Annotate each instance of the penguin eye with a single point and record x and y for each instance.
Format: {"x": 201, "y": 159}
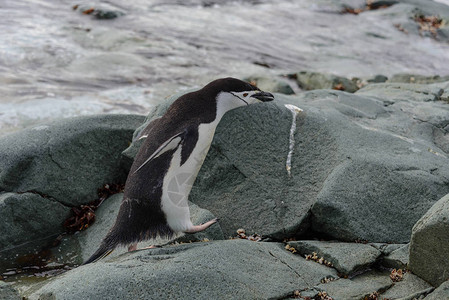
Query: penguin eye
{"x": 245, "y": 94}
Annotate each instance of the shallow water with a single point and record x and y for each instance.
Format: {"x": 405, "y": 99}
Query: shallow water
{"x": 57, "y": 62}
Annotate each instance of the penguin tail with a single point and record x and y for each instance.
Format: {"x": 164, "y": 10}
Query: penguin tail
{"x": 106, "y": 248}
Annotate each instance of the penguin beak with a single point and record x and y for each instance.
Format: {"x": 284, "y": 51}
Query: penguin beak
{"x": 263, "y": 96}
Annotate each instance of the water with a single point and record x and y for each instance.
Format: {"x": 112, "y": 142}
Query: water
{"x": 57, "y": 62}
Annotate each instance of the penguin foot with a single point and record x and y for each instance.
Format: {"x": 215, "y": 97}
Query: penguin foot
{"x": 151, "y": 247}
{"x": 201, "y": 227}
{"x": 133, "y": 247}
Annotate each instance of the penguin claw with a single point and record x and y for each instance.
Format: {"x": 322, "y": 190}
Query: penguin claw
{"x": 215, "y": 220}
{"x": 150, "y": 247}
{"x": 201, "y": 227}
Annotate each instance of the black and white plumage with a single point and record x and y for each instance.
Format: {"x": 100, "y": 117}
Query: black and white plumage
{"x": 166, "y": 166}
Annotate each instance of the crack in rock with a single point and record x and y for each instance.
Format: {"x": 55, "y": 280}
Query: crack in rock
{"x": 277, "y": 258}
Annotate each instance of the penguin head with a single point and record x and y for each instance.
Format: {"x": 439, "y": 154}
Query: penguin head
{"x": 232, "y": 93}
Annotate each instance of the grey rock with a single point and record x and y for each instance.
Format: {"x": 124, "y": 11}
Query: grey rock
{"x": 26, "y": 217}
{"x": 410, "y": 286}
{"x": 358, "y": 287}
{"x": 28, "y": 222}
{"x": 221, "y": 269}
{"x": 314, "y": 81}
{"x": 308, "y": 293}
{"x": 7, "y": 292}
{"x": 406, "y": 127}
{"x": 271, "y": 84}
{"x": 397, "y": 259}
{"x": 430, "y": 244}
{"x": 425, "y": 120}
{"x": 386, "y": 249}
{"x": 377, "y": 79}
{"x": 442, "y": 292}
{"x": 418, "y": 79}
{"x": 362, "y": 219}
{"x": 346, "y": 258}
{"x": 417, "y": 9}
{"x": 395, "y": 92}
{"x": 418, "y": 295}
{"x": 69, "y": 159}
{"x": 445, "y": 87}
{"x": 99, "y": 10}
{"x": 77, "y": 248}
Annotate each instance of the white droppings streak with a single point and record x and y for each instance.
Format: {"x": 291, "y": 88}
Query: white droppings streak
{"x": 295, "y": 111}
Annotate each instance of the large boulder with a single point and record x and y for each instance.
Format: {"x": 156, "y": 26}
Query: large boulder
{"x": 67, "y": 160}
{"x": 28, "y": 222}
{"x": 244, "y": 179}
{"x": 221, "y": 269}
{"x": 409, "y": 287}
{"x": 46, "y": 169}
{"x": 315, "y": 81}
{"x": 26, "y": 216}
{"x": 360, "y": 287}
{"x": 442, "y": 292}
{"x": 429, "y": 244}
{"x": 389, "y": 143}
{"x": 346, "y": 258}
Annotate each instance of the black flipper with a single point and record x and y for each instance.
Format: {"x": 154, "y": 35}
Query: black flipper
{"x": 170, "y": 144}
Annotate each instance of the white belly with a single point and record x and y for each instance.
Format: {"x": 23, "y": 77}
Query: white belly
{"x": 179, "y": 180}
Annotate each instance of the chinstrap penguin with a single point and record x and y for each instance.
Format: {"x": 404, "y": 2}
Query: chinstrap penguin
{"x": 166, "y": 166}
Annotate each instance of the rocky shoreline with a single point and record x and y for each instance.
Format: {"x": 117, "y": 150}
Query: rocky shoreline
{"x": 363, "y": 213}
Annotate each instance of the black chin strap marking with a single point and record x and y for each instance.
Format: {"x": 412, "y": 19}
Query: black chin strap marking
{"x": 240, "y": 98}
